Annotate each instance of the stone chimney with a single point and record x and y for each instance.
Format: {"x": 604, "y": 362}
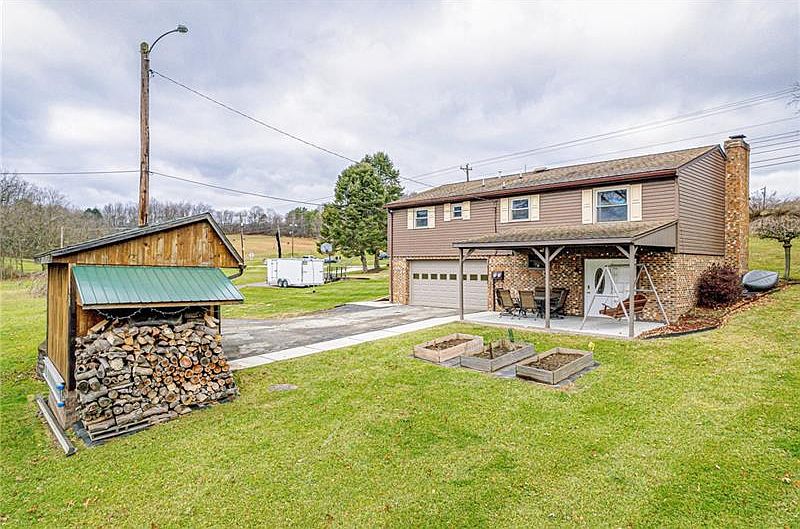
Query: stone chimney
{"x": 737, "y": 203}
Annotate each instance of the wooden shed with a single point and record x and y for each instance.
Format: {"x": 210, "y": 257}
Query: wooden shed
{"x": 173, "y": 265}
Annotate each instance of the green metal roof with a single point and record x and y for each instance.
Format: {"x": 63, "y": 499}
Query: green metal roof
{"x": 103, "y": 286}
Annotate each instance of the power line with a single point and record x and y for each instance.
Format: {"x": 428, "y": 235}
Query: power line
{"x": 267, "y": 125}
{"x": 680, "y": 118}
{"x": 232, "y": 190}
{"x": 774, "y": 164}
{"x": 759, "y": 152}
{"x": 774, "y": 143}
{"x": 68, "y": 173}
{"x": 591, "y": 157}
{"x": 776, "y": 158}
{"x": 780, "y": 135}
{"x": 254, "y": 119}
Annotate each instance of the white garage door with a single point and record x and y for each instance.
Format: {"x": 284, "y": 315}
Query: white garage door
{"x": 435, "y": 284}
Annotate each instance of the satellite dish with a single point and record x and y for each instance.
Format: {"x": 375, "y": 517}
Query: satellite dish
{"x": 326, "y": 247}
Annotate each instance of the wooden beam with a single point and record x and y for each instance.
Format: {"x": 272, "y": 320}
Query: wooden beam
{"x": 631, "y": 254}
{"x": 547, "y": 287}
{"x": 461, "y": 284}
{"x": 623, "y": 251}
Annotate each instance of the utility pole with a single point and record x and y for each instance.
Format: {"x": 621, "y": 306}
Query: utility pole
{"x": 144, "y": 124}
{"x": 466, "y": 169}
{"x": 241, "y": 232}
{"x": 62, "y": 237}
{"x": 144, "y": 134}
{"x": 764, "y": 197}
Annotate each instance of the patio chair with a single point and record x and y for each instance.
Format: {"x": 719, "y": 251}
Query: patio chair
{"x": 558, "y": 301}
{"x": 508, "y": 305}
{"x": 527, "y": 303}
{"x": 639, "y": 302}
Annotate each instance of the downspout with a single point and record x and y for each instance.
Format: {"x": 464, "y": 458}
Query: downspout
{"x": 242, "y": 266}
{"x": 391, "y": 256}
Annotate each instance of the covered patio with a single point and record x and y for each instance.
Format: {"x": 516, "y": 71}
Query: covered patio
{"x": 546, "y": 243}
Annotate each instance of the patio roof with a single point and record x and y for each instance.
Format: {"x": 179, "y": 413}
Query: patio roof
{"x": 659, "y": 234}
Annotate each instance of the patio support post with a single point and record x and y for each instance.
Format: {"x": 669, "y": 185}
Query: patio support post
{"x": 631, "y": 290}
{"x": 461, "y": 284}
{"x": 546, "y": 287}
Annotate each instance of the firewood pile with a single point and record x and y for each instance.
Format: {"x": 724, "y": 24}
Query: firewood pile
{"x": 133, "y": 375}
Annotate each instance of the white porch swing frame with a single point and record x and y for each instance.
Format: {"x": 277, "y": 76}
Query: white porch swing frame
{"x": 606, "y": 272}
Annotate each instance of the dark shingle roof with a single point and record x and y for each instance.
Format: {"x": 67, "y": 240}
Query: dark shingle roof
{"x": 619, "y": 232}
{"x": 633, "y": 166}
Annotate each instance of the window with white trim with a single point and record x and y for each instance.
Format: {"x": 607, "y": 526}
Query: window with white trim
{"x": 421, "y": 218}
{"x": 611, "y": 205}
{"x": 457, "y": 211}
{"x": 520, "y": 209}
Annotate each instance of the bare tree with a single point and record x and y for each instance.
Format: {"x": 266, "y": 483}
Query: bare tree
{"x": 783, "y": 226}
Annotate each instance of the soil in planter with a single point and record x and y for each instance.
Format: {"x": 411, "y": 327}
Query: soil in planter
{"x": 446, "y": 345}
{"x": 494, "y": 352}
{"x": 554, "y": 361}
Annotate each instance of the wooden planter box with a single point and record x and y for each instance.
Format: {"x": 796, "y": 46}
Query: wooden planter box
{"x": 519, "y": 351}
{"x": 427, "y": 352}
{"x": 526, "y": 370}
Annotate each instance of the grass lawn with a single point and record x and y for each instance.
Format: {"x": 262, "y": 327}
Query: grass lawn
{"x": 695, "y": 431}
{"x": 698, "y": 431}
{"x": 768, "y": 255}
{"x": 264, "y": 302}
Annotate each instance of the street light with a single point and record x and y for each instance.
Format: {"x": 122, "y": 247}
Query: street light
{"x": 144, "y": 123}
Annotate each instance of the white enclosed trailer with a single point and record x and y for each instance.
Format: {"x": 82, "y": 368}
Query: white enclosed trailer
{"x": 295, "y": 272}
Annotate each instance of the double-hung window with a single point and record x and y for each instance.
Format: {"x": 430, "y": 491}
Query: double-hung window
{"x": 611, "y": 205}
{"x": 421, "y": 218}
{"x": 457, "y": 211}
{"x": 520, "y": 209}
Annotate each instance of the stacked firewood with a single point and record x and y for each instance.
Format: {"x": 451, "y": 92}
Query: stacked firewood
{"x": 133, "y": 375}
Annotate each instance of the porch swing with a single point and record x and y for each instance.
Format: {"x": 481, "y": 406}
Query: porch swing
{"x": 622, "y": 308}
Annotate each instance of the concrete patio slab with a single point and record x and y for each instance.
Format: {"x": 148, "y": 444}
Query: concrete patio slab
{"x": 596, "y": 326}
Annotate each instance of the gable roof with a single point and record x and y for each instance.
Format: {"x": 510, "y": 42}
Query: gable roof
{"x": 133, "y": 233}
{"x": 658, "y": 165}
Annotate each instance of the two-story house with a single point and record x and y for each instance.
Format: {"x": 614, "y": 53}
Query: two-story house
{"x": 677, "y": 212}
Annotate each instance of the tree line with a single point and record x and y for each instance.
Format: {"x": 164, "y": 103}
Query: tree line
{"x": 35, "y": 219}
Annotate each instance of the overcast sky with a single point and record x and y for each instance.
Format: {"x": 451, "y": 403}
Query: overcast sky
{"x": 434, "y": 85}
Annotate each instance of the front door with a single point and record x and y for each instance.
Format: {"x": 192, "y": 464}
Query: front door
{"x": 595, "y": 281}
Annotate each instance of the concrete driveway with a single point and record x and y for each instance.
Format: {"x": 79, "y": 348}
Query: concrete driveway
{"x": 247, "y": 338}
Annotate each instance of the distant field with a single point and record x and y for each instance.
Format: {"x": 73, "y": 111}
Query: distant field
{"x": 265, "y": 246}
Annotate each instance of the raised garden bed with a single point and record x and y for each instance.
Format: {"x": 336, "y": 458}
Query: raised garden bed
{"x": 497, "y": 355}
{"x": 447, "y": 347}
{"x": 553, "y": 366}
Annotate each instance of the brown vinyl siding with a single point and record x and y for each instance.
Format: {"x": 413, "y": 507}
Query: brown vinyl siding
{"x": 557, "y": 208}
{"x": 701, "y": 205}
{"x": 439, "y": 241}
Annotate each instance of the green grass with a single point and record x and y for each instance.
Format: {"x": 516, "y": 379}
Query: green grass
{"x": 766, "y": 254}
{"x": 265, "y": 302}
{"x": 696, "y": 431}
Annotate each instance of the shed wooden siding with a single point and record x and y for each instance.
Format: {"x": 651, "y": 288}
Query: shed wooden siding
{"x": 58, "y": 307}
{"x": 438, "y": 241}
{"x": 701, "y": 205}
{"x": 556, "y": 208}
{"x": 190, "y": 245}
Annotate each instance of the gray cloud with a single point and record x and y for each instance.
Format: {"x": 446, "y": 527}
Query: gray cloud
{"x": 434, "y": 85}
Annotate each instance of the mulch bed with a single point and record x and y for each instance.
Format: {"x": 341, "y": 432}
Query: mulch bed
{"x": 446, "y": 345}
{"x": 554, "y": 361}
{"x": 705, "y": 319}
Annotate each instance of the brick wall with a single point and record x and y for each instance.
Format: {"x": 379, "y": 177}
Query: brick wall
{"x": 737, "y": 197}
{"x": 674, "y": 276}
{"x": 399, "y": 293}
